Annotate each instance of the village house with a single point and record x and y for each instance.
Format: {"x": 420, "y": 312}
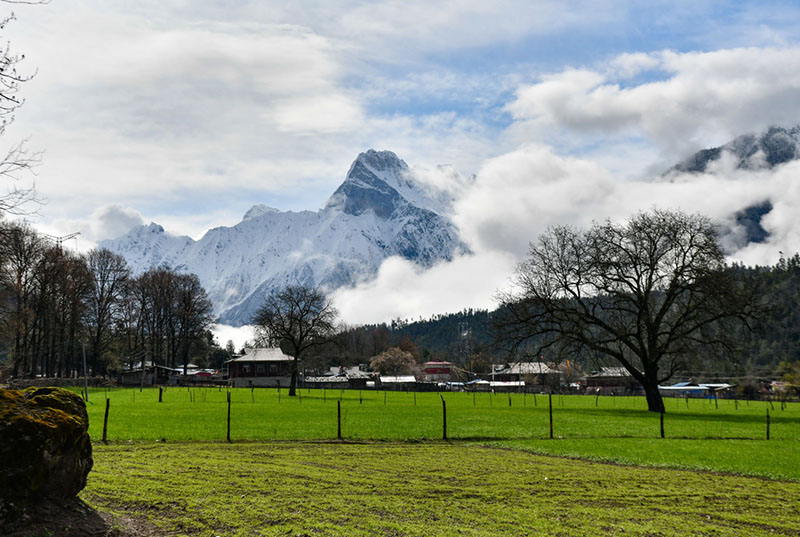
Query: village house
{"x": 151, "y": 376}
{"x": 694, "y": 389}
{"x": 611, "y": 381}
{"x": 531, "y": 373}
{"x": 437, "y": 371}
{"x": 265, "y": 367}
{"x": 354, "y": 378}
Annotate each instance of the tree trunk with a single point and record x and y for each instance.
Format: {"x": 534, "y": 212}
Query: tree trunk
{"x": 293, "y": 381}
{"x": 654, "y": 401}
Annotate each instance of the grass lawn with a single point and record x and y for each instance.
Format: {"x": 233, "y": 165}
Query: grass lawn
{"x": 701, "y": 434}
{"x": 425, "y": 489}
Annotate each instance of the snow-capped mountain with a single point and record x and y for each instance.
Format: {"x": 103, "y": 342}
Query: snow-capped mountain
{"x": 771, "y": 148}
{"x": 750, "y": 152}
{"x": 380, "y": 210}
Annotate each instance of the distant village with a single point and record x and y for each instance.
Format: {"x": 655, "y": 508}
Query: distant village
{"x": 270, "y": 368}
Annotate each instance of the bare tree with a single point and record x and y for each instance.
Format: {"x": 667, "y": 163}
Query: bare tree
{"x": 647, "y": 293}
{"x": 109, "y": 274}
{"x": 298, "y": 319}
{"x": 193, "y": 313}
{"x": 18, "y": 157}
{"x": 21, "y": 250}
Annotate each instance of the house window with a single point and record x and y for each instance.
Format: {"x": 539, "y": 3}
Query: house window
{"x": 260, "y": 369}
{"x": 246, "y": 369}
{"x": 273, "y": 369}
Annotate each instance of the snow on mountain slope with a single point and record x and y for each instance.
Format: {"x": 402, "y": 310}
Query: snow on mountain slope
{"x": 380, "y": 210}
{"x": 775, "y": 146}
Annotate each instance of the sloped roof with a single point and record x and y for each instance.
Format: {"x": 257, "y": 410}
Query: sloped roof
{"x": 263, "y": 355}
{"x": 327, "y": 380}
{"x": 528, "y": 368}
{"x": 389, "y": 379}
{"x": 612, "y": 372}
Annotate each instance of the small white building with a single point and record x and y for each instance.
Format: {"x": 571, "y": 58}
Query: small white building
{"x": 265, "y": 367}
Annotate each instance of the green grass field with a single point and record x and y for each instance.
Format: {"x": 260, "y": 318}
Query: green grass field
{"x": 424, "y": 489}
{"x": 725, "y": 437}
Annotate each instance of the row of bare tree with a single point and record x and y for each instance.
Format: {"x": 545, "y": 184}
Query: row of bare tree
{"x": 57, "y": 306}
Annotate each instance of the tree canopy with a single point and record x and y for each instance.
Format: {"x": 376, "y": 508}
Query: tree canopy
{"x": 393, "y": 361}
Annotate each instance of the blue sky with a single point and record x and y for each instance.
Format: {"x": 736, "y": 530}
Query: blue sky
{"x": 188, "y": 112}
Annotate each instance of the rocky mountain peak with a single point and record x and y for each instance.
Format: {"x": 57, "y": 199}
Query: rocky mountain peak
{"x": 371, "y": 185}
{"x": 379, "y": 161}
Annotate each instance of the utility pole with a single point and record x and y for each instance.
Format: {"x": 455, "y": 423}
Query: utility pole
{"x": 60, "y": 240}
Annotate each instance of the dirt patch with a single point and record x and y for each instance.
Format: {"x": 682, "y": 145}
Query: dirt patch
{"x": 71, "y": 518}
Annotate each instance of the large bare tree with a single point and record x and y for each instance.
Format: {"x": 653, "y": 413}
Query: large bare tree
{"x": 298, "y": 318}
{"x": 648, "y": 293}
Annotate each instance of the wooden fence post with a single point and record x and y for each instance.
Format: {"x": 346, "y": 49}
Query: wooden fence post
{"x": 444, "y": 418}
{"x": 105, "y": 420}
{"x": 767, "y": 424}
{"x": 509, "y": 399}
{"x": 662, "y": 424}
{"x": 550, "y": 400}
{"x": 339, "y": 419}
{"x": 160, "y": 393}
{"x": 229, "y": 417}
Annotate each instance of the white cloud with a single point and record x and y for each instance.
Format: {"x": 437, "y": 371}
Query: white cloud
{"x": 111, "y": 221}
{"x": 404, "y": 290}
{"x": 692, "y": 99}
{"x": 425, "y": 26}
{"x": 516, "y": 196}
{"x": 238, "y": 334}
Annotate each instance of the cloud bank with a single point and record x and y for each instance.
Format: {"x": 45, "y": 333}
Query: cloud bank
{"x": 679, "y": 102}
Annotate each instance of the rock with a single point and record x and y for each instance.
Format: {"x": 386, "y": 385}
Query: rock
{"x": 45, "y": 450}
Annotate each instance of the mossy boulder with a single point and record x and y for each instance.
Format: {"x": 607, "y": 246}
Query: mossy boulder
{"x": 45, "y": 450}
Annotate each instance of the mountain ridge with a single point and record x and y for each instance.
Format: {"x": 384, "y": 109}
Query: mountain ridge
{"x": 379, "y": 211}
